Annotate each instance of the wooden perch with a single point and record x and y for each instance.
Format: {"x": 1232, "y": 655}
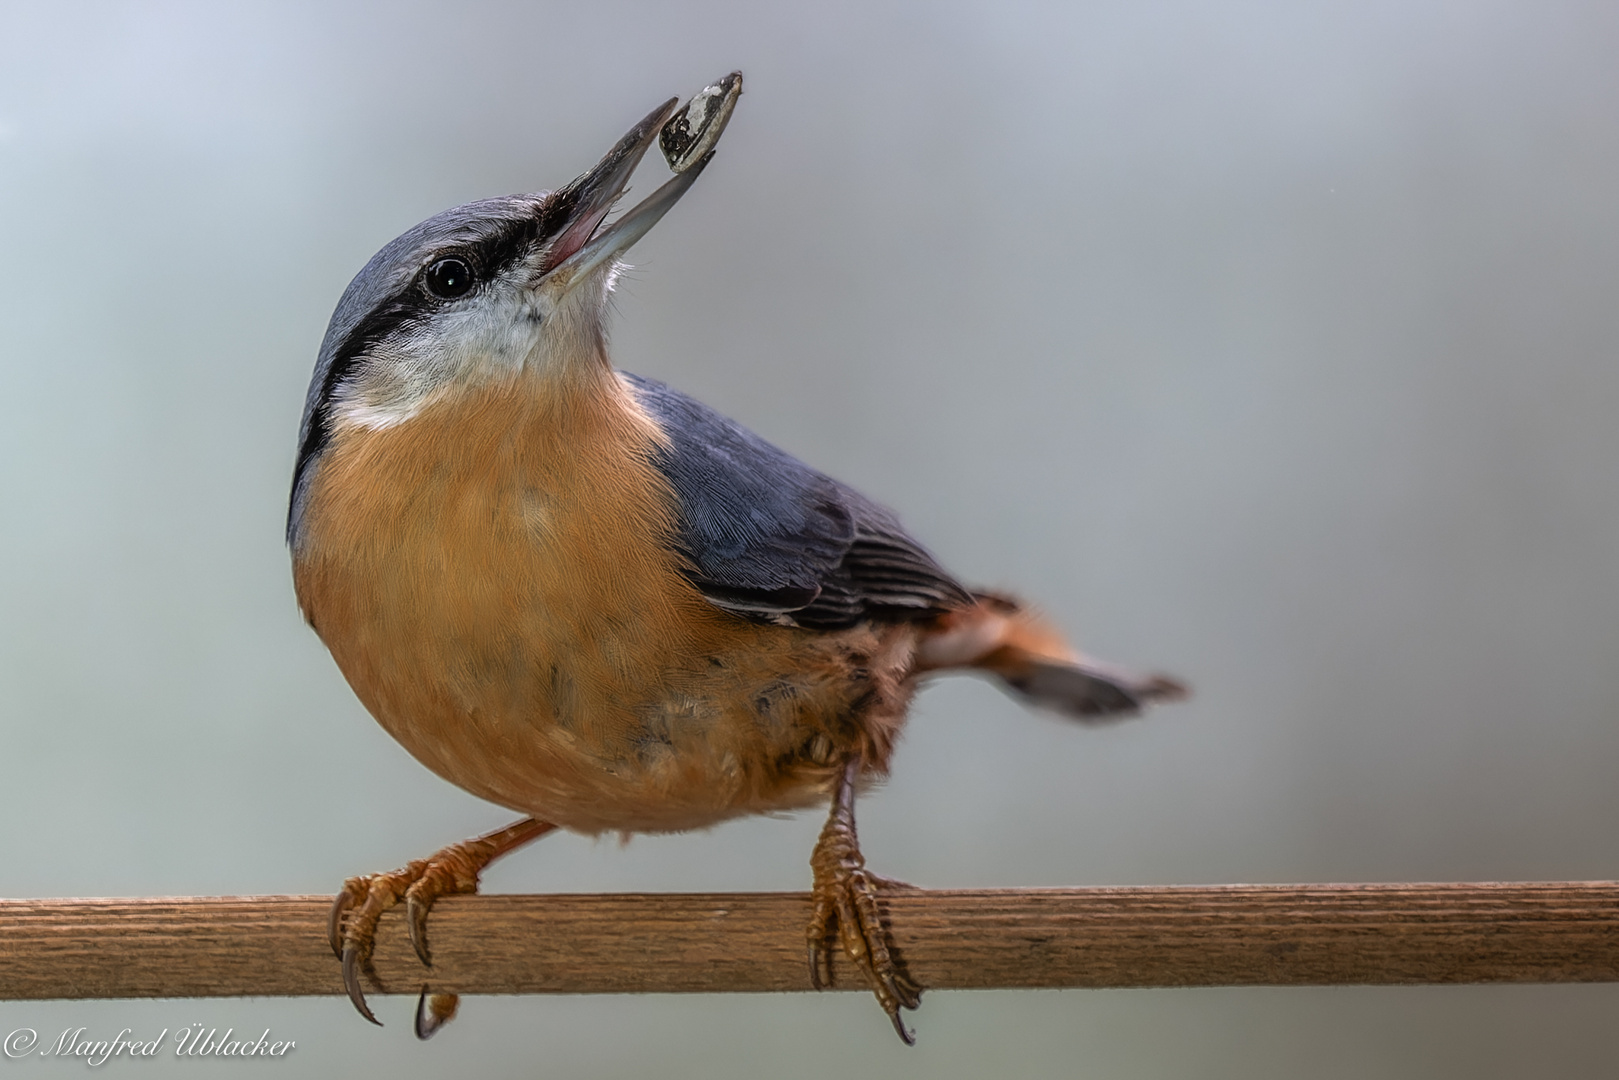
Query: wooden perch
{"x": 677, "y": 943}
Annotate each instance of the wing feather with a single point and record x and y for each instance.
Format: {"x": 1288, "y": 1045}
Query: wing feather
{"x": 771, "y": 539}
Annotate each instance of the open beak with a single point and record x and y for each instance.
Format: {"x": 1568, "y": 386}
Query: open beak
{"x": 579, "y": 248}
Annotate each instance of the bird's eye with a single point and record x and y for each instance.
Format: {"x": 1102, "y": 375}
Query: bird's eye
{"x": 448, "y": 278}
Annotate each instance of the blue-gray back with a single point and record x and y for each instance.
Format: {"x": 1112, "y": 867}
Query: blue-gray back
{"x": 770, "y": 538}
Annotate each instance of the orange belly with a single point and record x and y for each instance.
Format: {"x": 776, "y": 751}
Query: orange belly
{"x": 494, "y": 578}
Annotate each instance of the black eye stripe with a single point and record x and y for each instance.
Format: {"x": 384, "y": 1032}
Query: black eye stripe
{"x": 495, "y": 254}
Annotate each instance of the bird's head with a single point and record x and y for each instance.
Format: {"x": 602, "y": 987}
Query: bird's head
{"x": 489, "y": 290}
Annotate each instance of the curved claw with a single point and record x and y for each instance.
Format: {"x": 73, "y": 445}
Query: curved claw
{"x": 352, "y": 925}
{"x": 905, "y": 992}
{"x": 815, "y": 969}
{"x": 911, "y": 995}
{"x": 416, "y": 918}
{"x": 334, "y": 926}
{"x": 351, "y": 982}
{"x": 433, "y": 1011}
{"x": 899, "y": 1026}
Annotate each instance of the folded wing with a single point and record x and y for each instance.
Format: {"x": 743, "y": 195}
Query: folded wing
{"x": 767, "y": 537}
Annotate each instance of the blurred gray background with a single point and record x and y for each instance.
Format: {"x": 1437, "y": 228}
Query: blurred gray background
{"x": 1271, "y": 344}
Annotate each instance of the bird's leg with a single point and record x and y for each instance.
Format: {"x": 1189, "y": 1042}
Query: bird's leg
{"x": 845, "y": 898}
{"x": 455, "y": 869}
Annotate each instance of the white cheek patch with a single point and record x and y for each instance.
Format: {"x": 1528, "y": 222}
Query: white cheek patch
{"x": 391, "y": 387}
{"x": 493, "y": 336}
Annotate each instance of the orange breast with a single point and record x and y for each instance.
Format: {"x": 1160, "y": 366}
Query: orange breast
{"x": 494, "y": 578}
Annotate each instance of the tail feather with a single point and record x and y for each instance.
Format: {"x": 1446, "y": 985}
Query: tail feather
{"x": 1030, "y": 656}
{"x": 1085, "y": 690}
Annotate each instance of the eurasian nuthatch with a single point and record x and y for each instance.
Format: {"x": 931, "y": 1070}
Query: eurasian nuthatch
{"x": 585, "y": 596}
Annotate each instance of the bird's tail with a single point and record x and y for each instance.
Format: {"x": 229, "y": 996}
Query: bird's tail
{"x": 1003, "y": 638}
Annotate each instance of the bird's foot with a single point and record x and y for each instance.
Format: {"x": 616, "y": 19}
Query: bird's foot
{"x": 353, "y": 925}
{"x": 846, "y": 901}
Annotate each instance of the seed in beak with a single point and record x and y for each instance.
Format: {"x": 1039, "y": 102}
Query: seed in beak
{"x": 693, "y": 131}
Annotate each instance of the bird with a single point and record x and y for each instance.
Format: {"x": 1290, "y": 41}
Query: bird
{"x": 586, "y": 597}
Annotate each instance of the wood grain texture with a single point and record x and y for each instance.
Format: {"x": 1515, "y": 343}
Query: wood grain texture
{"x": 1238, "y": 935}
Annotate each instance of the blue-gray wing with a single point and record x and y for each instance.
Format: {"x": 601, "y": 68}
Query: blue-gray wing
{"x": 767, "y": 537}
